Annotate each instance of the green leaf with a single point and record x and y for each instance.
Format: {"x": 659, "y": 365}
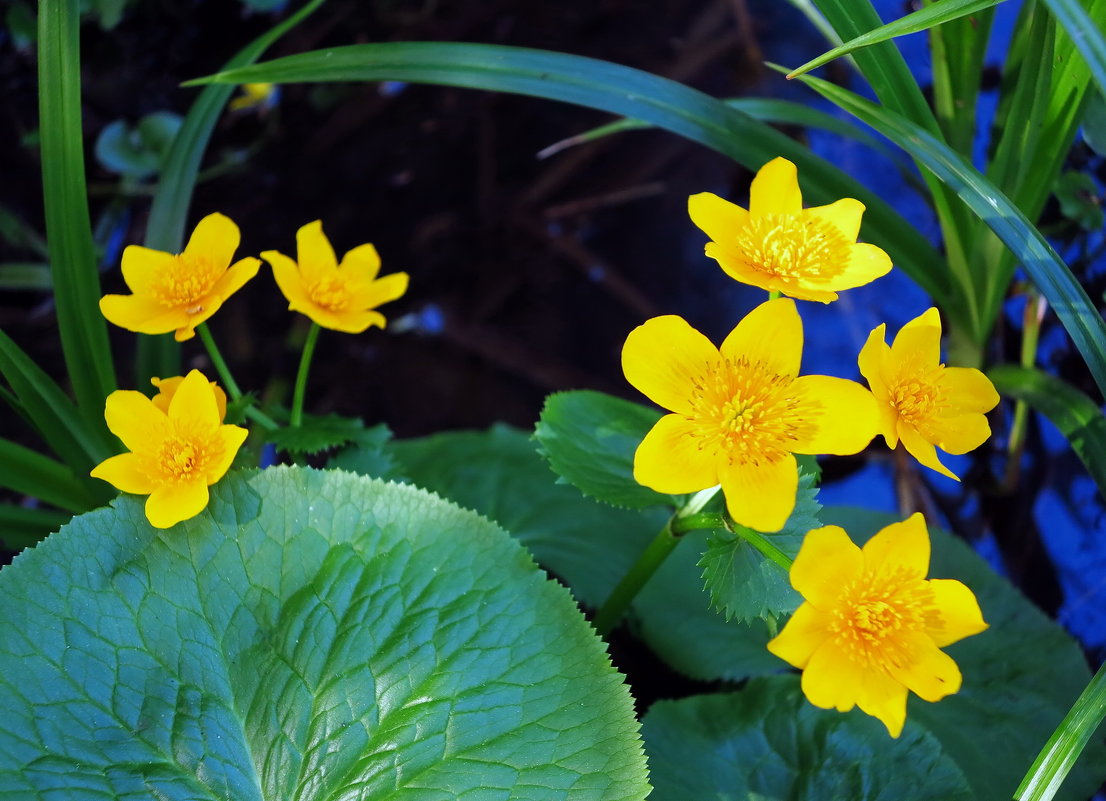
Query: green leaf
{"x": 1079, "y": 200}
{"x": 169, "y": 211}
{"x": 1049, "y": 273}
{"x": 1077, "y": 416}
{"x": 68, "y": 229}
{"x": 1020, "y": 676}
{"x": 28, "y": 472}
{"x": 24, "y": 276}
{"x": 766, "y": 742}
{"x": 499, "y": 474}
{"x": 589, "y": 439}
{"x": 920, "y": 20}
{"x": 316, "y": 434}
{"x": 310, "y": 635}
{"x": 743, "y": 584}
{"x": 369, "y": 454}
{"x": 21, "y": 526}
{"x": 619, "y": 90}
{"x": 1086, "y": 33}
{"x": 1094, "y": 124}
{"x": 137, "y": 152}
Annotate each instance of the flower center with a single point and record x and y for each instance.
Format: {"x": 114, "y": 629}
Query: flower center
{"x": 917, "y": 397}
{"x": 187, "y": 282}
{"x": 183, "y": 456}
{"x": 793, "y": 247}
{"x": 747, "y": 413}
{"x": 330, "y": 293}
{"x": 877, "y": 617}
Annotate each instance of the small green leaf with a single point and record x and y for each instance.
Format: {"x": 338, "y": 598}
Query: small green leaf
{"x": 1079, "y": 199}
{"x": 317, "y": 433}
{"x": 767, "y": 742}
{"x": 137, "y": 152}
{"x": 743, "y": 584}
{"x": 499, "y": 474}
{"x": 589, "y": 439}
{"x": 1094, "y": 123}
{"x": 369, "y": 454}
{"x": 310, "y": 635}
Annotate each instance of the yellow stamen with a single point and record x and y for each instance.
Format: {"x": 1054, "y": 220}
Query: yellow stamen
{"x": 330, "y": 293}
{"x": 187, "y": 281}
{"x": 792, "y": 247}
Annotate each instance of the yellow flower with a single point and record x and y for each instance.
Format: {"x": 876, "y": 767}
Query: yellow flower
{"x": 338, "y": 296}
{"x": 167, "y": 388}
{"x": 254, "y": 95}
{"x": 175, "y": 454}
{"x": 872, "y": 626}
{"x": 178, "y": 292}
{"x": 779, "y": 246}
{"x": 922, "y": 402}
{"x": 740, "y": 413}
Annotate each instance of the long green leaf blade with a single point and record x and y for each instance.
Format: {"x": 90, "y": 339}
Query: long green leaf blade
{"x": 30, "y": 473}
{"x": 616, "y": 89}
{"x": 21, "y": 527}
{"x": 1077, "y": 416}
{"x": 160, "y": 355}
{"x": 1086, "y": 33}
{"x": 68, "y": 229}
{"x": 923, "y": 19}
{"x": 1049, "y": 273}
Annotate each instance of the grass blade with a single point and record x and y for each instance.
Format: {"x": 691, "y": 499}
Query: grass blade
{"x": 69, "y": 232}
{"x": 22, "y": 527}
{"x": 28, "y": 472}
{"x": 160, "y": 355}
{"x": 1085, "y": 33}
{"x": 616, "y": 89}
{"x": 923, "y": 19}
{"x": 1049, "y": 273}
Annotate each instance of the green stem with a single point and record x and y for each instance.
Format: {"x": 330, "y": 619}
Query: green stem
{"x": 643, "y": 569}
{"x": 231, "y": 385}
{"x": 1066, "y": 744}
{"x": 301, "y": 375}
{"x": 764, "y": 545}
{"x": 1031, "y": 333}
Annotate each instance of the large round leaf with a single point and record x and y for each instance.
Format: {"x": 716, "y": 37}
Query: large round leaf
{"x": 310, "y": 636}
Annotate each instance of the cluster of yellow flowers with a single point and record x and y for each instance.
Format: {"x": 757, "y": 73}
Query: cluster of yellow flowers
{"x": 178, "y": 443}
{"x": 871, "y": 626}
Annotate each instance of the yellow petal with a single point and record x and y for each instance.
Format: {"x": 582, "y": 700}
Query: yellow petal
{"x": 775, "y": 190}
{"x": 167, "y": 388}
{"x": 231, "y": 439}
{"x": 383, "y": 290}
{"x": 866, "y": 264}
{"x": 143, "y": 266}
{"x": 194, "y": 401}
{"x": 922, "y": 450}
{"x": 125, "y": 472}
{"x": 314, "y": 251}
{"x": 968, "y": 390}
{"x": 133, "y": 418}
{"x": 959, "y": 612}
{"x": 831, "y": 679}
{"x": 802, "y": 636}
{"x": 760, "y": 496}
{"x": 169, "y": 504}
{"x": 845, "y": 415}
{"x": 873, "y": 357}
{"x": 141, "y": 314}
{"x": 362, "y": 263}
{"x": 919, "y": 340}
{"x": 884, "y": 698}
{"x": 931, "y": 673}
{"x": 827, "y": 561}
{"x": 348, "y": 322}
{"x": 215, "y": 238}
{"x": 664, "y": 358}
{"x": 234, "y": 278}
{"x": 670, "y": 460}
{"x": 958, "y": 434}
{"x": 899, "y": 548}
{"x": 844, "y": 215}
{"x": 287, "y": 275}
{"x": 771, "y": 334}
{"x": 716, "y": 217}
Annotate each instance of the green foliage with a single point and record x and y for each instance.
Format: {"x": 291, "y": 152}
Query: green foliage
{"x": 319, "y": 433}
{"x": 743, "y": 584}
{"x": 767, "y": 742}
{"x": 1079, "y": 200}
{"x": 1094, "y": 124}
{"x": 137, "y": 152}
{"x": 589, "y": 440}
{"x": 370, "y": 454}
{"x": 311, "y": 635}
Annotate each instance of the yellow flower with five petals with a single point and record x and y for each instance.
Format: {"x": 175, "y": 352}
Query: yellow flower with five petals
{"x": 177, "y": 292}
{"x": 740, "y": 412}
{"x": 341, "y": 296}
{"x": 922, "y": 402}
{"x": 175, "y": 454}
{"x": 777, "y": 245}
{"x": 872, "y": 627}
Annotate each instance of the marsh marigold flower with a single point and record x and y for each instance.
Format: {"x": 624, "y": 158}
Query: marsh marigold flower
{"x": 872, "y": 626}
{"x": 175, "y": 454}
{"x": 779, "y": 246}
{"x": 167, "y": 388}
{"x": 342, "y": 296}
{"x": 740, "y": 413}
{"x": 178, "y": 292}
{"x": 922, "y": 402}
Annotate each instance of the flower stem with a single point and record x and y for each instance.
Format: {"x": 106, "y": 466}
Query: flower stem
{"x": 231, "y": 385}
{"x": 1031, "y": 334}
{"x": 764, "y": 545}
{"x": 643, "y": 569}
{"x": 301, "y": 375}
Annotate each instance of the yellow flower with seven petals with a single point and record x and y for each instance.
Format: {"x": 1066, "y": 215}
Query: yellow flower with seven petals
{"x": 872, "y": 626}
{"x": 740, "y": 413}
{"x": 779, "y": 246}
{"x": 341, "y": 296}
{"x": 922, "y": 402}
{"x": 167, "y": 388}
{"x": 176, "y": 454}
{"x": 178, "y": 292}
